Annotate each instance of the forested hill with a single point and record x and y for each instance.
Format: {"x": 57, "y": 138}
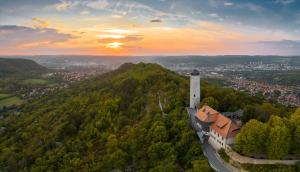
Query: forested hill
{"x": 109, "y": 122}
{"x": 114, "y": 121}
{"x": 19, "y": 67}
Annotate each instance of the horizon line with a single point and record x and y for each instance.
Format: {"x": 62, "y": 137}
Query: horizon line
{"x": 116, "y": 56}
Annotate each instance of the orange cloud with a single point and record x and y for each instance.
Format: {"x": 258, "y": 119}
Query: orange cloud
{"x": 126, "y": 39}
{"x": 40, "y": 23}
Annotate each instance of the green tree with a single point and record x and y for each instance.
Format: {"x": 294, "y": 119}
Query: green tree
{"x": 200, "y": 166}
{"x": 165, "y": 167}
{"x": 112, "y": 143}
{"x": 276, "y": 121}
{"x": 269, "y": 110}
{"x": 251, "y": 140}
{"x": 296, "y": 140}
{"x": 210, "y": 101}
{"x": 158, "y": 152}
{"x": 295, "y": 118}
{"x": 158, "y": 132}
{"x": 118, "y": 159}
{"x": 278, "y": 142}
{"x": 249, "y": 113}
{"x": 295, "y": 129}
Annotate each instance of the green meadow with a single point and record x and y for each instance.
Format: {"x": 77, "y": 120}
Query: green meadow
{"x": 3, "y": 95}
{"x": 35, "y": 82}
{"x": 10, "y": 101}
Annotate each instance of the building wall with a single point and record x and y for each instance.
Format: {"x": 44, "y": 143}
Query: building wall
{"x": 230, "y": 141}
{"x": 216, "y": 140}
{"x": 194, "y": 91}
{"x": 204, "y": 126}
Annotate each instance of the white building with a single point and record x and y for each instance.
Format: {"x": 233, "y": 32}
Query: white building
{"x": 219, "y": 129}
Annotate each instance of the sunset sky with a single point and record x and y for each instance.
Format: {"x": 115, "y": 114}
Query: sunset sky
{"x": 149, "y": 27}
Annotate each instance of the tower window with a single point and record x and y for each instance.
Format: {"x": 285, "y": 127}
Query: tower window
{"x": 194, "y": 95}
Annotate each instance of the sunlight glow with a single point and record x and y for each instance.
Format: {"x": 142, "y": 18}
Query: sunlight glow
{"x": 119, "y": 31}
{"x": 111, "y": 36}
{"x": 115, "y": 45}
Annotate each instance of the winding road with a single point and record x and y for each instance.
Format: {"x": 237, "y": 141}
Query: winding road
{"x": 213, "y": 158}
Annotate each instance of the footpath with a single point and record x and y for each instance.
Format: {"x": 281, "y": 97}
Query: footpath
{"x": 248, "y": 160}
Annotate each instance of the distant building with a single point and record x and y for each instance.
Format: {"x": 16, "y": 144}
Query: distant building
{"x": 217, "y": 128}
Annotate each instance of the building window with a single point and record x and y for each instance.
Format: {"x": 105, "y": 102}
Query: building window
{"x": 194, "y": 95}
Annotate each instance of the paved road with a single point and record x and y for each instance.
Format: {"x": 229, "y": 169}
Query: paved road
{"x": 214, "y": 160}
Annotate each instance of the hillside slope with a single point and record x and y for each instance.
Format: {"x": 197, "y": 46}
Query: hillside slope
{"x": 110, "y": 122}
{"x": 19, "y": 67}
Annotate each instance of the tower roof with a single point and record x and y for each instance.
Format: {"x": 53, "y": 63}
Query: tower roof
{"x": 195, "y": 72}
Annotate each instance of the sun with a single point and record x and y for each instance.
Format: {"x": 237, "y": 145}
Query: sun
{"x": 114, "y": 45}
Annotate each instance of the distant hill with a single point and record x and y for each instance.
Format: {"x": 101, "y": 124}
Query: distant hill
{"x": 10, "y": 67}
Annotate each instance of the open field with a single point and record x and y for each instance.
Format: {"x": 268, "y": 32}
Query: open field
{"x": 3, "y": 95}
{"x": 35, "y": 82}
{"x": 10, "y": 101}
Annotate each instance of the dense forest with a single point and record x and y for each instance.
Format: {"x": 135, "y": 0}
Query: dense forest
{"x": 277, "y": 138}
{"x": 114, "y": 121}
{"x": 109, "y": 122}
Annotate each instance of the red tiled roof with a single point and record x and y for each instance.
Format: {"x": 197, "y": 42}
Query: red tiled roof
{"x": 225, "y": 126}
{"x": 220, "y": 123}
{"x": 207, "y": 114}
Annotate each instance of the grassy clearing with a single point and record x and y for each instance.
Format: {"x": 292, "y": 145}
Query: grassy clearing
{"x": 35, "y": 82}
{"x": 10, "y": 101}
{"x": 3, "y": 95}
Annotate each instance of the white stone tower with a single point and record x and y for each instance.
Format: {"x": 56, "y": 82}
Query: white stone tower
{"x": 194, "y": 89}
